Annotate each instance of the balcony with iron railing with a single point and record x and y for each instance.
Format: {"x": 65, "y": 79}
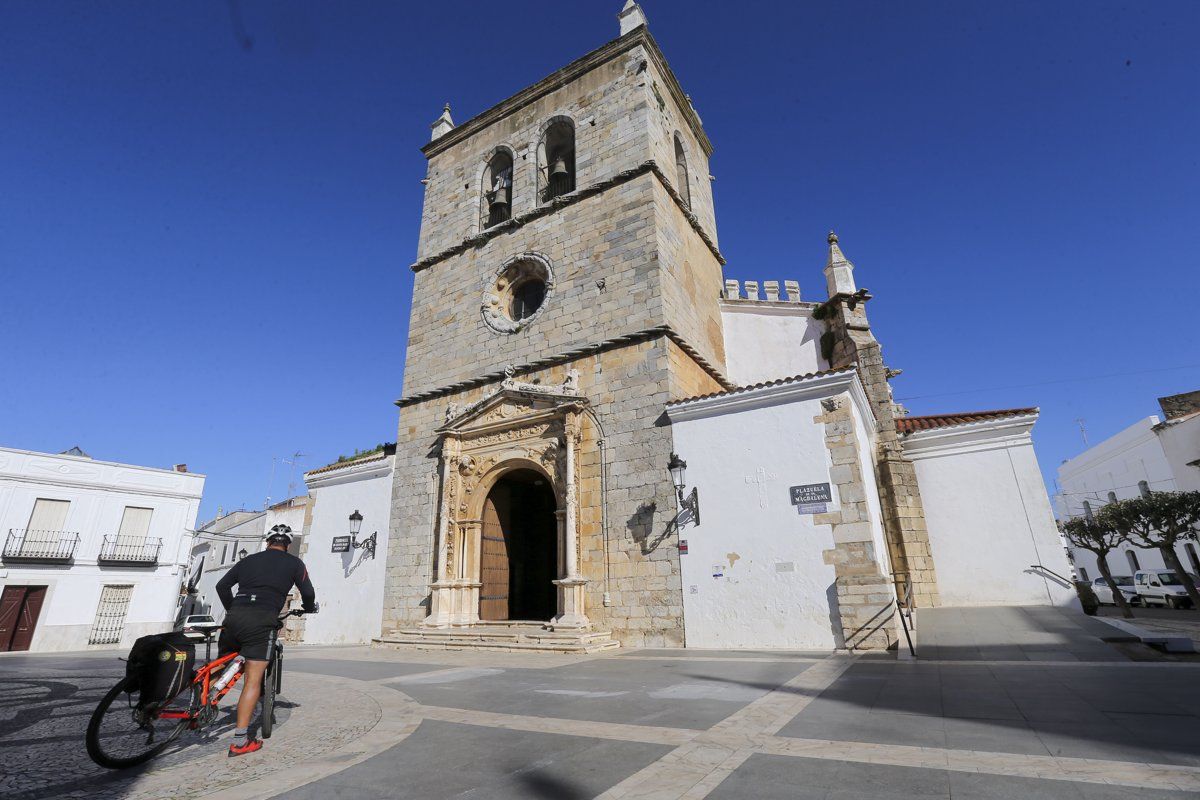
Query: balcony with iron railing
{"x": 136, "y": 553}
{"x": 46, "y": 547}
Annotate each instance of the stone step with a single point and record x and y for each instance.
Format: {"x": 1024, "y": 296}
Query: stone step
{"x": 518, "y": 637}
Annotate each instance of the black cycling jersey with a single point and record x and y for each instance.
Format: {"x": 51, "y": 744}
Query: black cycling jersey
{"x": 264, "y": 580}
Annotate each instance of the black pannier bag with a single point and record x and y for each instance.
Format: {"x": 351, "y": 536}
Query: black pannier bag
{"x": 160, "y": 666}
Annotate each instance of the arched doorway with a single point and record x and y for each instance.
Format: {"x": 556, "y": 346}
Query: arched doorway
{"x": 519, "y": 549}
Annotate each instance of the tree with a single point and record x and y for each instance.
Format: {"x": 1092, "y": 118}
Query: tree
{"x": 1160, "y": 520}
{"x": 1100, "y": 539}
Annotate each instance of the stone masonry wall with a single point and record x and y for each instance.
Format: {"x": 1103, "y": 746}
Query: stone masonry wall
{"x": 608, "y": 107}
{"x": 864, "y": 593}
{"x": 903, "y": 514}
{"x": 665, "y": 121}
{"x": 628, "y": 387}
{"x": 609, "y": 237}
{"x": 692, "y": 280}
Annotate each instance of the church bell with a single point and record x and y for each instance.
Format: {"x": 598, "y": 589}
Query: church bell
{"x": 559, "y": 168}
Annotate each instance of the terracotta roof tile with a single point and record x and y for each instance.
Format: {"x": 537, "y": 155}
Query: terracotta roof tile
{"x": 764, "y": 384}
{"x": 913, "y": 424}
{"x": 353, "y": 462}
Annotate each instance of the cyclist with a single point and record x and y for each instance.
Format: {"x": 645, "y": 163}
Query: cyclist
{"x": 252, "y": 618}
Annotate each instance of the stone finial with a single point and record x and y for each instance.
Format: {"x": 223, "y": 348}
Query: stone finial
{"x": 443, "y": 125}
{"x": 839, "y": 272}
{"x": 733, "y": 290}
{"x": 631, "y": 17}
{"x": 793, "y": 291}
{"x": 771, "y": 290}
{"x": 751, "y": 290}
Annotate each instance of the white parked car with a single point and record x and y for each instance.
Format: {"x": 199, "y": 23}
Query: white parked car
{"x": 199, "y": 623}
{"x": 1124, "y": 584}
{"x": 1161, "y": 587}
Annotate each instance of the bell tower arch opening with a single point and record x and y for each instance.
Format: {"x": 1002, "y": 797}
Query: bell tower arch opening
{"x": 519, "y": 549}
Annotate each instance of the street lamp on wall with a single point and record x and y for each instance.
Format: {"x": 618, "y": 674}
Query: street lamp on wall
{"x": 356, "y": 526}
{"x": 241, "y": 554}
{"x": 678, "y": 469}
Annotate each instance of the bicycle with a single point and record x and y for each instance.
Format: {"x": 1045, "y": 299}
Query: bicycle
{"x": 119, "y": 737}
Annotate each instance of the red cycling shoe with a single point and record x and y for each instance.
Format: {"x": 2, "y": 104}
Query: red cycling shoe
{"x": 250, "y": 746}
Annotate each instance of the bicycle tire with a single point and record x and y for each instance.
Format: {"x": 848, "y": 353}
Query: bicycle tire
{"x": 96, "y": 747}
{"x": 268, "y": 697}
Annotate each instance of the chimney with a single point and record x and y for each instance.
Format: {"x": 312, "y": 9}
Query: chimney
{"x": 180, "y": 467}
{"x": 1179, "y": 405}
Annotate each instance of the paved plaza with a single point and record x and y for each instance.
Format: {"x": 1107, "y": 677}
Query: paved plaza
{"x": 1054, "y": 713}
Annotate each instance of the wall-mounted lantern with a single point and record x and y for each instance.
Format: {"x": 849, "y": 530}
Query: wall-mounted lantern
{"x": 241, "y": 554}
{"x": 678, "y": 469}
{"x": 356, "y": 526}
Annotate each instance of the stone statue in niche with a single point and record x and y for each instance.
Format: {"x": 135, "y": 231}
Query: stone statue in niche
{"x": 570, "y": 384}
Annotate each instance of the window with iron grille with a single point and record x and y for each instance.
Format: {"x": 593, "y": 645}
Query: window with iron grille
{"x": 110, "y": 615}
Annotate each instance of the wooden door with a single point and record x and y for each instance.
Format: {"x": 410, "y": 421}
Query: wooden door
{"x": 27, "y": 619}
{"x": 10, "y": 607}
{"x": 493, "y": 564}
{"x": 20, "y": 607}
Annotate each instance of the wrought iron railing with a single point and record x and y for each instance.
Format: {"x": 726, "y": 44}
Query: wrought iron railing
{"x": 116, "y": 551}
{"x": 46, "y": 546}
{"x": 904, "y": 603}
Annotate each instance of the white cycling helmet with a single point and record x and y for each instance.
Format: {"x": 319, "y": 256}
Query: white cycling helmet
{"x": 280, "y": 534}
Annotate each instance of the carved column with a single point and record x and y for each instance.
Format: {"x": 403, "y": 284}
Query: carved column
{"x": 571, "y": 612}
{"x": 441, "y": 603}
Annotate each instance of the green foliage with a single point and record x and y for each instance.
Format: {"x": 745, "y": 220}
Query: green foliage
{"x": 1093, "y": 535}
{"x": 1159, "y": 519}
{"x": 361, "y": 453}
{"x": 828, "y": 340}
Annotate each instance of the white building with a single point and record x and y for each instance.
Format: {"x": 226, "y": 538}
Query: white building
{"x": 348, "y": 580}
{"x": 218, "y": 546}
{"x": 94, "y": 552}
{"x": 229, "y": 538}
{"x": 1152, "y": 455}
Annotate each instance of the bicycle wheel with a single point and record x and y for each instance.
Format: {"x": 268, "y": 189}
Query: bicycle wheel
{"x": 268, "y": 696}
{"x": 120, "y": 735}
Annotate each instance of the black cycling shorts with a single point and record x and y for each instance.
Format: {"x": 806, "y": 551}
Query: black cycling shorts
{"x": 249, "y": 631}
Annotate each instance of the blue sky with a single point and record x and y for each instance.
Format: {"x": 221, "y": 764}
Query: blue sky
{"x": 208, "y": 209}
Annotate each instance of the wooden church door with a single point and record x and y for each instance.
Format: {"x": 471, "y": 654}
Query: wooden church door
{"x": 493, "y": 564}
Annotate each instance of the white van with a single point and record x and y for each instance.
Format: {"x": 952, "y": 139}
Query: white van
{"x": 1161, "y": 587}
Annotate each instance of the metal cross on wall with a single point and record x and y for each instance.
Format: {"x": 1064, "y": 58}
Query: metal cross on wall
{"x": 761, "y": 476}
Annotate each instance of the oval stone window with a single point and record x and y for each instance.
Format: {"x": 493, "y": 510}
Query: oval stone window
{"x": 523, "y": 285}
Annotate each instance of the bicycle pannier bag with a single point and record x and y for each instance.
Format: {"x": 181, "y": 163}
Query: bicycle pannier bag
{"x": 161, "y": 666}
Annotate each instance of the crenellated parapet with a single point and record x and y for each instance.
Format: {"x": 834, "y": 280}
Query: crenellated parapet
{"x": 770, "y": 291}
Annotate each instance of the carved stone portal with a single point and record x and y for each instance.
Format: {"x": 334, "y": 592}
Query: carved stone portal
{"x": 520, "y": 426}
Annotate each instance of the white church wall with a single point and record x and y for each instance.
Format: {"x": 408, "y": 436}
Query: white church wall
{"x": 864, "y": 430}
{"x": 988, "y": 515}
{"x": 767, "y": 340}
{"x": 349, "y": 585}
{"x": 754, "y": 575}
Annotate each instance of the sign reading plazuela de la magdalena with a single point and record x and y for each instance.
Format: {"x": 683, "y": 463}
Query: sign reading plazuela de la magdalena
{"x": 810, "y": 493}
{"x": 341, "y": 544}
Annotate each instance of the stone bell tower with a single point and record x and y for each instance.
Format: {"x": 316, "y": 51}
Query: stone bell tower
{"x": 566, "y": 289}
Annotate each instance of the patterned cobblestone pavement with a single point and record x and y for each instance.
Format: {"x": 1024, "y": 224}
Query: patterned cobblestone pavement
{"x": 654, "y": 725}
{"x": 44, "y": 710}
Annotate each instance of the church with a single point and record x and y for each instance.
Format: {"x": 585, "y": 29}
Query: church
{"x": 604, "y": 442}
